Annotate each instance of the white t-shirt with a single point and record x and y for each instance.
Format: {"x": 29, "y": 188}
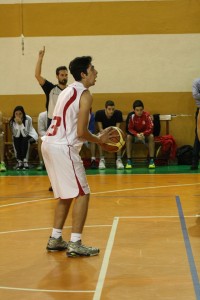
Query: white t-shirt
{"x": 24, "y": 130}
{"x": 42, "y": 123}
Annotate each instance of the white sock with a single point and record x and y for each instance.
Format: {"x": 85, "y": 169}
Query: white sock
{"x": 56, "y": 233}
{"x": 75, "y": 237}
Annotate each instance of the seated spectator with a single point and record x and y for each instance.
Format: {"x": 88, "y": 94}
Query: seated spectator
{"x": 105, "y": 118}
{"x": 23, "y": 135}
{"x": 42, "y": 128}
{"x": 2, "y": 163}
{"x": 139, "y": 129}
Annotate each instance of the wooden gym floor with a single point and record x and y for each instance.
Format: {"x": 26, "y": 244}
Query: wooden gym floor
{"x": 146, "y": 225}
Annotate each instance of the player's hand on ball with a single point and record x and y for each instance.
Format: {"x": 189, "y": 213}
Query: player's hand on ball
{"x": 115, "y": 139}
{"x": 105, "y": 135}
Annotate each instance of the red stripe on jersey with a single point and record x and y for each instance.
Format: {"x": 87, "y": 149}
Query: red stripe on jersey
{"x": 69, "y": 102}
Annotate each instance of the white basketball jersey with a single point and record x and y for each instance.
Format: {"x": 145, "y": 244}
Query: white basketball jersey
{"x": 63, "y": 128}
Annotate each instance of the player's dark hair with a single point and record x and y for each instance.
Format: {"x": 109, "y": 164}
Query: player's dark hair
{"x": 138, "y": 103}
{"x": 79, "y": 65}
{"x": 61, "y": 68}
{"x": 20, "y": 108}
{"x": 109, "y": 103}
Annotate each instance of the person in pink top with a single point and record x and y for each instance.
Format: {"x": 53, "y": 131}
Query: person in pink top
{"x": 139, "y": 129}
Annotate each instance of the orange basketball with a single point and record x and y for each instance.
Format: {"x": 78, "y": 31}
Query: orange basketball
{"x": 117, "y": 138}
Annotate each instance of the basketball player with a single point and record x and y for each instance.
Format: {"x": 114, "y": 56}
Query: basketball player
{"x": 60, "y": 149}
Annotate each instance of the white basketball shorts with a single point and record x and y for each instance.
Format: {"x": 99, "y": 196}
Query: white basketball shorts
{"x": 65, "y": 170}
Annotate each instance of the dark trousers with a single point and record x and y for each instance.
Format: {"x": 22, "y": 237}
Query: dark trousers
{"x": 196, "y": 147}
{"x": 21, "y": 145}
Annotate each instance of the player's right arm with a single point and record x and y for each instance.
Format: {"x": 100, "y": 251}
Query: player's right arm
{"x": 38, "y": 68}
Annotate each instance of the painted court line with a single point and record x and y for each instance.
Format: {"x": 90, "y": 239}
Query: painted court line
{"x": 102, "y": 275}
{"x": 98, "y": 225}
{"x": 154, "y": 217}
{"x": 108, "y": 251}
{"x": 105, "y": 263}
{"x": 46, "y": 291}
{"x": 147, "y": 188}
{"x": 48, "y": 228}
{"x": 188, "y": 247}
{"x": 25, "y": 202}
{"x": 106, "y": 192}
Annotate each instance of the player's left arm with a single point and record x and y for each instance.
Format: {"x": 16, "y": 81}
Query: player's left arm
{"x": 83, "y": 119}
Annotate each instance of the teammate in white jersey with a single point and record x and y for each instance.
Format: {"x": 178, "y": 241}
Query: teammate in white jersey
{"x": 60, "y": 149}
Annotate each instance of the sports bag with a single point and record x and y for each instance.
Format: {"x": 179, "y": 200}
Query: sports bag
{"x": 184, "y": 155}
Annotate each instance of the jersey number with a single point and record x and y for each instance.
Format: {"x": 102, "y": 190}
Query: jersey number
{"x": 54, "y": 127}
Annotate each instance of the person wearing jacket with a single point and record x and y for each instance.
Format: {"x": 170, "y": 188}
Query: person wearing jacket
{"x": 140, "y": 129}
{"x": 23, "y": 134}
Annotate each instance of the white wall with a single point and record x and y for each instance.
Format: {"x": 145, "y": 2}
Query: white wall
{"x": 137, "y": 63}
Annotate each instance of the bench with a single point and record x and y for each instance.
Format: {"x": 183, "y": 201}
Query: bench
{"x": 167, "y": 119}
{"x": 140, "y": 151}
